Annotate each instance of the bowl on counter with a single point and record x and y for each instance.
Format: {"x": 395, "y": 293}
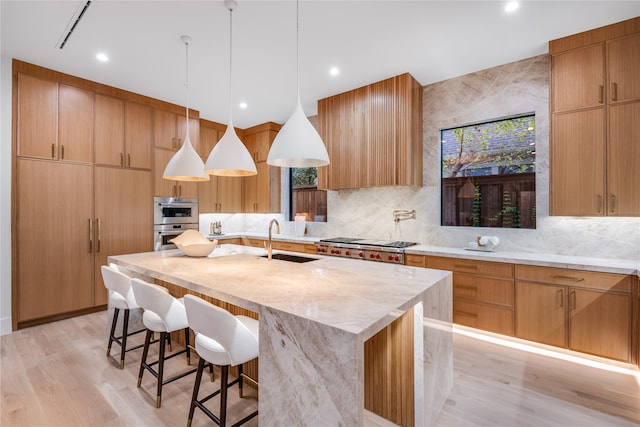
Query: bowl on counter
{"x": 194, "y": 244}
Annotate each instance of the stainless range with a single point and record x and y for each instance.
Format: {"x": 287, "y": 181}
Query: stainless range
{"x": 366, "y": 249}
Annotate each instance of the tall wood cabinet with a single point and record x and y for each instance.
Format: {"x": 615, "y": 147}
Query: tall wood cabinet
{"x": 220, "y": 193}
{"x": 595, "y": 104}
{"x": 373, "y": 135}
{"x": 261, "y": 192}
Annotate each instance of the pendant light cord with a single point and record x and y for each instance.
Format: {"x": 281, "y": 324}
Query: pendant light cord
{"x": 230, "y": 65}
{"x": 298, "y": 47}
{"x": 187, "y": 86}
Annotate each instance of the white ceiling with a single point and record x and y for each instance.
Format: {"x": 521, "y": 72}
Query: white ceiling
{"x": 368, "y": 40}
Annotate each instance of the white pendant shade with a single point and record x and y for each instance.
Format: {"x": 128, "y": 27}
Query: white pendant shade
{"x": 229, "y": 157}
{"x": 298, "y": 144}
{"x": 185, "y": 165}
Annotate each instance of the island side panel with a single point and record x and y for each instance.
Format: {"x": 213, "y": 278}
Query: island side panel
{"x": 310, "y": 374}
{"x": 437, "y": 349}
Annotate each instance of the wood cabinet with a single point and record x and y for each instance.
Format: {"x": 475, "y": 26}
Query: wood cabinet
{"x": 123, "y": 133}
{"x": 55, "y": 121}
{"x": 220, "y": 193}
{"x": 261, "y": 192}
{"x": 54, "y": 239}
{"x": 169, "y": 129}
{"x": 483, "y": 293}
{"x": 595, "y": 104}
{"x": 117, "y": 189}
{"x": 167, "y": 187}
{"x": 584, "y": 311}
{"x": 373, "y": 135}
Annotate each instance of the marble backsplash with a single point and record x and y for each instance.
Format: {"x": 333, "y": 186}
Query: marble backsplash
{"x": 510, "y": 89}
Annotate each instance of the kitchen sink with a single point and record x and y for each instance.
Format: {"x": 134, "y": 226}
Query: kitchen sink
{"x": 291, "y": 258}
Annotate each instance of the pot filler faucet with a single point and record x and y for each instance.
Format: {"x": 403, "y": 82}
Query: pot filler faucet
{"x": 269, "y": 245}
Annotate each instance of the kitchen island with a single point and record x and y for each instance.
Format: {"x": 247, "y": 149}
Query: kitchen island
{"x": 314, "y": 320}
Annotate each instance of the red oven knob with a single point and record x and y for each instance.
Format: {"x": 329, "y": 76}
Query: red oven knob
{"x": 338, "y": 252}
{"x": 390, "y": 257}
{"x": 333, "y": 251}
{"x": 377, "y": 256}
{"x": 347, "y": 253}
{"x": 361, "y": 254}
{"x": 397, "y": 258}
{"x": 371, "y": 256}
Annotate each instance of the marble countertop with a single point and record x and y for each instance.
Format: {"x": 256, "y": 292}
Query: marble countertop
{"x": 351, "y": 295}
{"x": 605, "y": 265}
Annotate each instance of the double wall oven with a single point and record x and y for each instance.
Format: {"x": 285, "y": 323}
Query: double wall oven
{"x": 171, "y": 217}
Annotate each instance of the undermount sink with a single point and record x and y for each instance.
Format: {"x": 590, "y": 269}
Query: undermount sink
{"x": 291, "y": 258}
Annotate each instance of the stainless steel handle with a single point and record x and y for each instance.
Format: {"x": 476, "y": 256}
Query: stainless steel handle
{"x": 90, "y": 235}
{"x": 99, "y": 237}
{"x": 179, "y": 190}
{"x": 173, "y": 142}
{"x": 121, "y": 159}
{"x": 174, "y": 190}
{"x": 63, "y": 152}
{"x": 600, "y": 94}
{"x": 614, "y": 91}
{"x": 613, "y": 203}
{"x": 53, "y": 151}
{"x": 129, "y": 160}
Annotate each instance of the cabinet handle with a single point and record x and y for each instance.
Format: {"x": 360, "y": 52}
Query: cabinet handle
{"x": 561, "y": 294}
{"x": 179, "y": 190}
{"x": 600, "y": 94}
{"x": 174, "y": 190}
{"x": 90, "y": 235}
{"x": 173, "y": 142}
{"x": 179, "y": 143}
{"x": 574, "y": 279}
{"x": 572, "y": 295}
{"x": 99, "y": 237}
{"x": 465, "y": 313}
{"x": 129, "y": 160}
{"x": 470, "y": 288}
{"x": 53, "y": 151}
{"x": 613, "y": 203}
{"x": 614, "y": 91}
{"x": 464, "y": 266}
{"x": 63, "y": 152}
{"x": 600, "y": 203}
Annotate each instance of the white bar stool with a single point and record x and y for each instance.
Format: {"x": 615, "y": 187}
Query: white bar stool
{"x": 221, "y": 339}
{"x": 120, "y": 298}
{"x": 164, "y": 314}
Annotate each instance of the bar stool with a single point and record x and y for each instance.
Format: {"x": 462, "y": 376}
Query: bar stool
{"x": 163, "y": 314}
{"x": 120, "y": 298}
{"x": 221, "y": 339}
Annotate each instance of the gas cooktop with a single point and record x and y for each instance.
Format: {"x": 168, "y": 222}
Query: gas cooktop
{"x": 398, "y": 244}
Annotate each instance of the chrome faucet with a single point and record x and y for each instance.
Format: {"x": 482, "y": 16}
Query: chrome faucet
{"x": 269, "y": 245}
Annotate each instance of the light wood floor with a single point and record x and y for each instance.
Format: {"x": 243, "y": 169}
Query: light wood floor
{"x": 57, "y": 375}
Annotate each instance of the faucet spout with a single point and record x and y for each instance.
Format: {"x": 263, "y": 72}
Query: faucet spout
{"x": 269, "y": 244}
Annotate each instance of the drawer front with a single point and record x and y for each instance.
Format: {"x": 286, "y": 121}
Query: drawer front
{"x": 483, "y": 289}
{"x": 232, "y": 241}
{"x": 258, "y": 243}
{"x": 482, "y": 316}
{"x": 576, "y": 278}
{"x": 485, "y": 268}
{"x": 415, "y": 260}
{"x": 289, "y": 246}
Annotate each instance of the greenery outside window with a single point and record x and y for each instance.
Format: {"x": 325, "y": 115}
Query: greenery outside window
{"x": 305, "y": 198}
{"x": 488, "y": 174}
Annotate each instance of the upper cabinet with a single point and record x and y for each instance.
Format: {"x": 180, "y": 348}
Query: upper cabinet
{"x": 595, "y": 122}
{"x": 55, "y": 121}
{"x": 261, "y": 192}
{"x": 169, "y": 129}
{"x": 373, "y": 135}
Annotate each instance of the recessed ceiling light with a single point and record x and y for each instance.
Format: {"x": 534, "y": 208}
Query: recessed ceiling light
{"x": 334, "y": 71}
{"x": 102, "y": 57}
{"x": 511, "y": 6}
{"x": 243, "y": 105}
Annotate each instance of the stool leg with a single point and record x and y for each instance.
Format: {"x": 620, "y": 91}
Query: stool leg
{"x": 196, "y": 387}
{"x": 147, "y": 340}
{"x": 116, "y": 311}
{"x": 213, "y": 378}
{"x": 160, "y": 368}
{"x": 240, "y": 381}
{"x": 125, "y": 331}
{"x": 224, "y": 377}
{"x": 168, "y": 337}
{"x": 186, "y": 341}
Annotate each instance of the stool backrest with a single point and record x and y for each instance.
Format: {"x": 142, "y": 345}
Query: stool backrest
{"x": 220, "y": 325}
{"x": 118, "y": 282}
{"x": 160, "y": 302}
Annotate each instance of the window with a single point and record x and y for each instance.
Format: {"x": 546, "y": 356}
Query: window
{"x": 488, "y": 174}
{"x": 305, "y": 198}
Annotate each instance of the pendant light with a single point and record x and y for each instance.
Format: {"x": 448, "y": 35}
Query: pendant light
{"x": 298, "y": 144}
{"x": 229, "y": 157}
{"x": 186, "y": 164}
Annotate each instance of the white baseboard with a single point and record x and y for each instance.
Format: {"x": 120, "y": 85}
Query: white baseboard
{"x": 5, "y": 325}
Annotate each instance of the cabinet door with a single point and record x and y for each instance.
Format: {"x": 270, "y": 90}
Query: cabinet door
{"x": 541, "y": 313}
{"x": 577, "y": 163}
{"x": 623, "y": 169}
{"x": 381, "y": 138}
{"x": 208, "y": 196}
{"x": 116, "y": 234}
{"x": 37, "y": 117}
{"x": 623, "y": 62}
{"x": 138, "y": 130}
{"x": 229, "y": 194}
{"x": 600, "y": 323}
{"x": 163, "y": 187}
{"x": 109, "y": 131}
{"x": 54, "y": 249}
{"x": 164, "y": 130}
{"x": 577, "y": 78}
{"x": 75, "y": 124}
{"x": 194, "y": 131}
